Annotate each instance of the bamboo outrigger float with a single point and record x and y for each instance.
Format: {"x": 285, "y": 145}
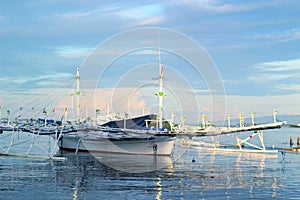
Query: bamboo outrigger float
{"x": 32, "y": 142}
{"x": 240, "y": 143}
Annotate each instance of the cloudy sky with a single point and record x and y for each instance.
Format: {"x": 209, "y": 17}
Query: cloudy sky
{"x": 254, "y": 44}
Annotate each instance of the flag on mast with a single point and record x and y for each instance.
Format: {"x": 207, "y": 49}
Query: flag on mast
{"x": 162, "y": 71}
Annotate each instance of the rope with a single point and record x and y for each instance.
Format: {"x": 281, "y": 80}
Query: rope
{"x": 47, "y": 95}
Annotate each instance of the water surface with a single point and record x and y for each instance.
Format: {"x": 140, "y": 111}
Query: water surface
{"x": 210, "y": 176}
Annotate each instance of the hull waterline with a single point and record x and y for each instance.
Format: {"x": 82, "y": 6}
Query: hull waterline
{"x": 158, "y": 145}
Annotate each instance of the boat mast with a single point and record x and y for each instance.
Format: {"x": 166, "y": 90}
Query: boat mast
{"x": 160, "y": 94}
{"x": 77, "y": 94}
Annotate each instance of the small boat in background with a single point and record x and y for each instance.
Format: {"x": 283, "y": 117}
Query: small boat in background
{"x": 295, "y": 149}
{"x": 295, "y": 125}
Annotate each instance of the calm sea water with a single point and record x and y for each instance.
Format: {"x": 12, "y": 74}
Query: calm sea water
{"x": 210, "y": 176}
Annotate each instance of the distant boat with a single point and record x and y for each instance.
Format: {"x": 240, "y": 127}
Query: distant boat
{"x": 296, "y": 149}
{"x": 6, "y": 127}
{"x": 295, "y": 125}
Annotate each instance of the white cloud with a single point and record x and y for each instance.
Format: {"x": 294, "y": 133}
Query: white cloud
{"x": 138, "y": 12}
{"x": 73, "y": 51}
{"x": 289, "y": 87}
{"x": 279, "y": 66}
{"x": 276, "y": 70}
{"x": 262, "y": 105}
{"x": 151, "y": 21}
{"x": 284, "y": 36}
{"x": 90, "y": 13}
{"x": 269, "y": 77}
{"x": 221, "y": 7}
{"x": 45, "y": 79}
{"x": 144, "y": 15}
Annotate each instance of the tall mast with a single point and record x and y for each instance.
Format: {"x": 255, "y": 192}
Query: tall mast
{"x": 160, "y": 94}
{"x": 77, "y": 94}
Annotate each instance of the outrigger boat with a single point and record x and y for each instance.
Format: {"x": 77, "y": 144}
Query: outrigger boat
{"x": 119, "y": 141}
{"x": 240, "y": 143}
{"x": 113, "y": 137}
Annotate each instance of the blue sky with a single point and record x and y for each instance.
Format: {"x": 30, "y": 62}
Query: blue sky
{"x": 254, "y": 44}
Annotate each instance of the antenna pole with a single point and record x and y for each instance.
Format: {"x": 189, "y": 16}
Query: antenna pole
{"x": 77, "y": 94}
{"x": 160, "y": 94}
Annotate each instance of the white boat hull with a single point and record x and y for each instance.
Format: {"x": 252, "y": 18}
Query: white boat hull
{"x": 154, "y": 145}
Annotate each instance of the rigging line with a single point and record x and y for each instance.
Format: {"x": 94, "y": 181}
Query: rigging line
{"x": 23, "y": 112}
{"x": 17, "y": 110}
{"x": 61, "y": 88}
{"x": 20, "y": 99}
{"x": 46, "y": 96}
{"x": 5, "y": 136}
{"x": 56, "y": 91}
{"x": 15, "y": 144}
{"x": 58, "y": 94}
{"x": 42, "y": 104}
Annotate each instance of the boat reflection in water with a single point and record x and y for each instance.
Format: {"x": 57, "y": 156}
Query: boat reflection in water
{"x": 135, "y": 163}
{"x": 124, "y": 162}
